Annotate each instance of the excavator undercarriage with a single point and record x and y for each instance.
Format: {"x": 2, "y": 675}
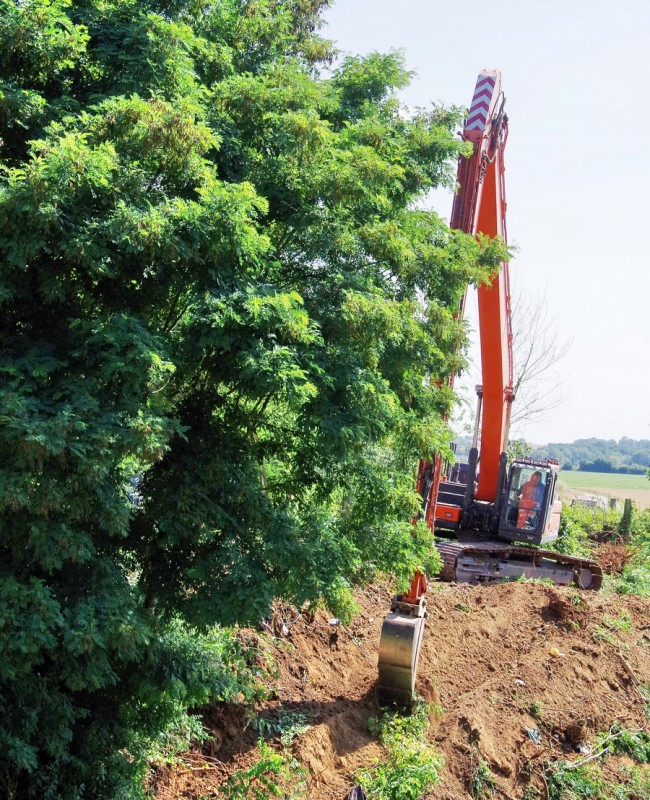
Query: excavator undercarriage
{"x": 489, "y": 562}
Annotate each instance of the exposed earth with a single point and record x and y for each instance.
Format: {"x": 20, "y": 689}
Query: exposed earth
{"x": 525, "y": 674}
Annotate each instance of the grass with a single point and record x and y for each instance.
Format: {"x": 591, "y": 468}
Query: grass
{"x": 585, "y": 778}
{"x": 622, "y": 623}
{"x": 603, "y": 480}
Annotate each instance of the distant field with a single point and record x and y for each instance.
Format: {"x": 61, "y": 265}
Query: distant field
{"x": 604, "y": 480}
{"x": 608, "y": 484}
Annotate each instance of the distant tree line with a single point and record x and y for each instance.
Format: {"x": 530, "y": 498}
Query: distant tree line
{"x": 629, "y": 456}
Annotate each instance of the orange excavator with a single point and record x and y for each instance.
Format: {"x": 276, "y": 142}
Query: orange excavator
{"x": 486, "y": 514}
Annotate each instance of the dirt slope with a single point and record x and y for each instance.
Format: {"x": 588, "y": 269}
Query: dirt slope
{"x": 500, "y": 661}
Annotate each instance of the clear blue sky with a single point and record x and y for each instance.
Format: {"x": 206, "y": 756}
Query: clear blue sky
{"x": 575, "y": 75}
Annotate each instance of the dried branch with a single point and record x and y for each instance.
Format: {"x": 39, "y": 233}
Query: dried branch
{"x": 537, "y": 349}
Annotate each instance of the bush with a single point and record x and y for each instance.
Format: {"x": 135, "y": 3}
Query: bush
{"x": 412, "y": 766}
{"x": 579, "y": 521}
{"x": 144, "y": 716}
{"x": 574, "y": 537}
{"x": 635, "y": 578}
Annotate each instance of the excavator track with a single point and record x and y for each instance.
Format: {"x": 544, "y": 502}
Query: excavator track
{"x": 487, "y": 562}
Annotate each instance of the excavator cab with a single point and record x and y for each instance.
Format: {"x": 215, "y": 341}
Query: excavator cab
{"x": 530, "y": 512}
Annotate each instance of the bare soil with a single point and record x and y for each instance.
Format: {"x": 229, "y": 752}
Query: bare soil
{"x": 525, "y": 674}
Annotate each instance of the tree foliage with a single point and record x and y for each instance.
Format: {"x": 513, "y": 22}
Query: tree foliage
{"x": 630, "y": 456}
{"x": 226, "y": 327}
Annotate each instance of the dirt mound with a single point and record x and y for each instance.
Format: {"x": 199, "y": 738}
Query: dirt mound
{"x": 524, "y": 673}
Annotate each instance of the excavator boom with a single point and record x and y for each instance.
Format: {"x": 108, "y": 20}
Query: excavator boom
{"x": 480, "y": 208}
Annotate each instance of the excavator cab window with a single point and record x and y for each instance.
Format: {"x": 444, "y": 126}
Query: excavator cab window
{"x": 525, "y": 500}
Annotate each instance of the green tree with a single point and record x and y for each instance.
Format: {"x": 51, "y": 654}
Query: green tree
{"x": 519, "y": 448}
{"x": 226, "y": 324}
{"x": 597, "y": 465}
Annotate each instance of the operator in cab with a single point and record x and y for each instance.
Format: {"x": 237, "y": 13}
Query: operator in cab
{"x": 531, "y": 496}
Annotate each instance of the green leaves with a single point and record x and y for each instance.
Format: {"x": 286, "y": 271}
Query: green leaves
{"x": 30, "y": 618}
{"x": 39, "y": 42}
{"x": 365, "y": 83}
{"x": 412, "y": 766}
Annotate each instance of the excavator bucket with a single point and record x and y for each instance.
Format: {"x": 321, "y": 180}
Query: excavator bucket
{"x": 399, "y": 651}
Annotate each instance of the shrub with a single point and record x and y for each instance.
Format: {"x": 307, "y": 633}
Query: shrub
{"x": 412, "y": 766}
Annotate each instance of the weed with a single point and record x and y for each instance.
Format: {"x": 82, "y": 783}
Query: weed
{"x": 273, "y": 776}
{"x": 292, "y": 726}
{"x": 620, "y": 741}
{"x": 412, "y": 766}
{"x": 622, "y": 623}
{"x": 526, "y": 772}
{"x": 536, "y": 709}
{"x": 287, "y": 726}
{"x": 584, "y": 778}
{"x": 611, "y": 625}
{"x": 284, "y": 645}
{"x": 636, "y": 576}
{"x": 340, "y": 601}
{"x": 578, "y": 601}
{"x": 636, "y": 784}
{"x": 171, "y": 745}
{"x": 588, "y": 781}
{"x": 602, "y": 635}
{"x": 567, "y": 783}
{"x": 462, "y": 607}
{"x": 482, "y": 784}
